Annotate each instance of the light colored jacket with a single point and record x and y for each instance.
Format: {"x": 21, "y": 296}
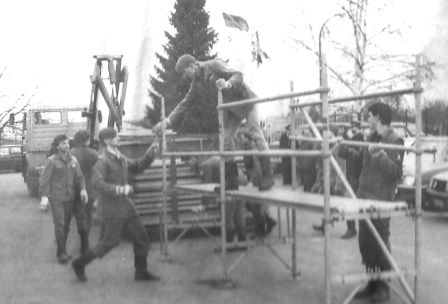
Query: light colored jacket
{"x": 61, "y": 177}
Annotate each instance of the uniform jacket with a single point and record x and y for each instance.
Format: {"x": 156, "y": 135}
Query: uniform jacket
{"x": 353, "y": 162}
{"x": 61, "y": 177}
{"x": 205, "y": 85}
{"x": 87, "y": 158}
{"x": 111, "y": 171}
{"x": 380, "y": 175}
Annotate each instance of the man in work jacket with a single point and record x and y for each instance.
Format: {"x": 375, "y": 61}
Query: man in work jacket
{"x": 353, "y": 165}
{"x": 61, "y": 177}
{"x": 87, "y": 158}
{"x": 111, "y": 181}
{"x": 380, "y": 174}
{"x": 206, "y": 78}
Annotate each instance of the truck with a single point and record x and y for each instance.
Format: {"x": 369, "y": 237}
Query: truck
{"x": 40, "y": 126}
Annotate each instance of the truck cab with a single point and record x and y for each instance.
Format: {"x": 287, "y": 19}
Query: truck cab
{"x": 41, "y": 125}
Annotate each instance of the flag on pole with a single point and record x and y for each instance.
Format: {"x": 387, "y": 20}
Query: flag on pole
{"x": 258, "y": 55}
{"x": 235, "y": 22}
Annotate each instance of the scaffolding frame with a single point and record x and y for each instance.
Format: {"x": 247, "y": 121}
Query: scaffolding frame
{"x": 411, "y": 294}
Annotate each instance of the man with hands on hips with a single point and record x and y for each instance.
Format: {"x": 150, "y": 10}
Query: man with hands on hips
{"x": 111, "y": 181}
{"x": 61, "y": 176}
{"x": 206, "y": 78}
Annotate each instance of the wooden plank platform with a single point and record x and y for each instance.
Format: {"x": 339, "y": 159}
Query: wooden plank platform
{"x": 283, "y": 196}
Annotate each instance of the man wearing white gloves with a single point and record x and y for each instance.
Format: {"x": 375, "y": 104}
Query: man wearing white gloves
{"x": 111, "y": 181}
{"x": 62, "y": 175}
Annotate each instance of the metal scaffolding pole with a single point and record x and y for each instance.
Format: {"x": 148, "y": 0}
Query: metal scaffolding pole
{"x": 294, "y": 186}
{"x": 326, "y": 171}
{"x": 418, "y": 175}
{"x": 222, "y": 193}
{"x": 165, "y": 217}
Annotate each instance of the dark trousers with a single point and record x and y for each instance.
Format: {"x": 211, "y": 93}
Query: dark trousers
{"x": 235, "y": 220}
{"x": 351, "y": 225}
{"x": 371, "y": 253}
{"x": 84, "y": 213}
{"x": 353, "y": 181}
{"x": 62, "y": 215}
{"x": 112, "y": 228}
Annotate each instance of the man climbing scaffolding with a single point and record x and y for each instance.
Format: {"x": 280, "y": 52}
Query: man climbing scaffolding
{"x": 207, "y": 77}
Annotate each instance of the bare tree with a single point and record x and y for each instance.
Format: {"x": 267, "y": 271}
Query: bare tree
{"x": 17, "y": 106}
{"x": 367, "y": 64}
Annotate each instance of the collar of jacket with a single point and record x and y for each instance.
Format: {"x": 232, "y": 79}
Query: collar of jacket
{"x": 65, "y": 158}
{"x": 386, "y": 133}
{"x": 112, "y": 154}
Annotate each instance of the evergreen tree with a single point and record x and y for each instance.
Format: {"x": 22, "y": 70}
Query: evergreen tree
{"x": 193, "y": 36}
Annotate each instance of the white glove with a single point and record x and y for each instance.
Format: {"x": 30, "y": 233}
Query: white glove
{"x": 127, "y": 190}
{"x": 157, "y": 129}
{"x": 44, "y": 203}
{"x": 222, "y": 84}
{"x": 153, "y": 150}
{"x": 197, "y": 209}
{"x": 84, "y": 196}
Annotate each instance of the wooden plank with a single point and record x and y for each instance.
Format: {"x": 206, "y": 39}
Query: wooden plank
{"x": 155, "y": 198}
{"x": 158, "y": 175}
{"x": 286, "y": 197}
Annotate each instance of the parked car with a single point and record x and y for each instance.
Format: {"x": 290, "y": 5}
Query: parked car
{"x": 432, "y": 164}
{"x": 438, "y": 191}
{"x": 11, "y": 157}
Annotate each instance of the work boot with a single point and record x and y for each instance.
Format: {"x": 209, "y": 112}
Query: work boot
{"x": 141, "y": 270}
{"x": 270, "y": 224}
{"x": 349, "y": 234}
{"x": 84, "y": 237}
{"x": 367, "y": 291}
{"x": 64, "y": 258}
{"x": 381, "y": 293}
{"x": 231, "y": 176}
{"x": 267, "y": 180}
{"x": 80, "y": 264}
{"x": 319, "y": 228}
{"x": 61, "y": 253}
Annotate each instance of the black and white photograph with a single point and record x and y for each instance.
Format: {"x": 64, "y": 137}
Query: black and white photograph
{"x": 225, "y": 152}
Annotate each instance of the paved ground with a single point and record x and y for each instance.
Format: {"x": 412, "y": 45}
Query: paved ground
{"x": 29, "y": 272}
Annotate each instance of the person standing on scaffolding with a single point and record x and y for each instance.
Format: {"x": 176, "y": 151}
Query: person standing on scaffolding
{"x": 207, "y": 77}
{"x": 353, "y": 165}
{"x": 380, "y": 173}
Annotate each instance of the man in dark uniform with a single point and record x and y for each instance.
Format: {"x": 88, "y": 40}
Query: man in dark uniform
{"x": 380, "y": 174}
{"x": 61, "y": 179}
{"x": 285, "y": 143}
{"x": 206, "y": 78}
{"x": 111, "y": 181}
{"x": 87, "y": 158}
{"x": 235, "y": 216}
{"x": 353, "y": 165}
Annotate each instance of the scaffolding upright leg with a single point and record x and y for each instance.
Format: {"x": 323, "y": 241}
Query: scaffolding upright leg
{"x": 294, "y": 186}
{"x": 418, "y": 175}
{"x": 222, "y": 195}
{"x": 326, "y": 167}
{"x": 165, "y": 217}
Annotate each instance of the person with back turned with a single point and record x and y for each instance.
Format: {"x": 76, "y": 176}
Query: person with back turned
{"x": 87, "y": 158}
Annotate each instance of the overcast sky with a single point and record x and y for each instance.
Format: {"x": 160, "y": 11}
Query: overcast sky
{"x": 50, "y": 43}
